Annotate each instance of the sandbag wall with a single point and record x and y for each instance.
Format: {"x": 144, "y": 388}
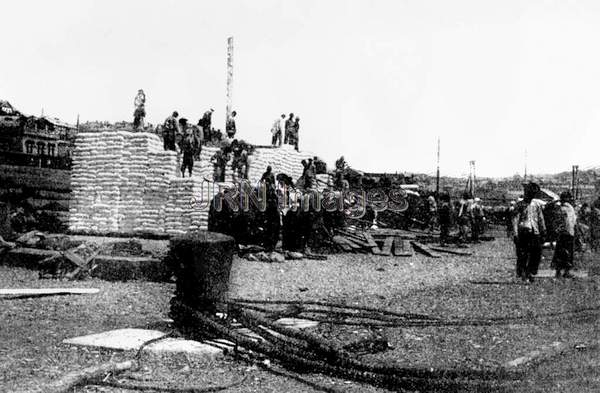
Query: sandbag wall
{"x": 124, "y": 182}
{"x": 120, "y": 182}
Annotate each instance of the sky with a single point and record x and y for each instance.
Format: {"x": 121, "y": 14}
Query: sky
{"x": 376, "y": 81}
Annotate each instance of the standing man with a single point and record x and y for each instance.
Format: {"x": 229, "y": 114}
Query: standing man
{"x": 188, "y": 146}
{"x": 170, "y": 130}
{"x": 219, "y": 161}
{"x": 140, "y": 109}
{"x": 205, "y": 123}
{"x": 477, "y": 217}
{"x": 464, "y": 217}
{"x": 230, "y": 126}
{"x": 445, "y": 218}
{"x": 296, "y": 132}
{"x": 276, "y": 130}
{"x": 529, "y": 228}
{"x": 289, "y": 128}
{"x": 562, "y": 261}
{"x": 433, "y": 212}
{"x": 268, "y": 178}
{"x": 199, "y": 136}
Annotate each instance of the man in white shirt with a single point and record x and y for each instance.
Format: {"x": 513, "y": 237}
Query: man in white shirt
{"x": 529, "y": 230}
{"x": 277, "y": 130}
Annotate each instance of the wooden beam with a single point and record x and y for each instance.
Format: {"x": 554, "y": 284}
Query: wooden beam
{"x": 374, "y": 247}
{"x": 387, "y": 246}
{"x": 423, "y": 249}
{"x": 402, "y": 248}
{"x": 450, "y": 251}
{"x": 47, "y": 291}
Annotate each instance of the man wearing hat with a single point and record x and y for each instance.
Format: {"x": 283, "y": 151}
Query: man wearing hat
{"x": 529, "y": 228}
{"x": 562, "y": 261}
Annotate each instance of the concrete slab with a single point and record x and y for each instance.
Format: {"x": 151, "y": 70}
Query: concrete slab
{"x": 193, "y": 350}
{"x": 120, "y": 339}
{"x": 551, "y": 273}
{"x": 297, "y": 323}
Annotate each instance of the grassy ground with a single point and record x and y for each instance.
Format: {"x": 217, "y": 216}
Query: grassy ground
{"x": 31, "y": 352}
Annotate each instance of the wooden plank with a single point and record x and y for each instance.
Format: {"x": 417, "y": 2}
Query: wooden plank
{"x": 370, "y": 240}
{"x": 402, "y": 248}
{"x": 387, "y": 246}
{"x": 355, "y": 238}
{"x": 340, "y": 241}
{"x": 47, "y": 291}
{"x": 393, "y": 232}
{"x": 450, "y": 251}
{"x": 423, "y": 249}
{"x": 351, "y": 243}
{"x": 374, "y": 247}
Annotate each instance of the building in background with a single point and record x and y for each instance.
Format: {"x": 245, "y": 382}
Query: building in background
{"x": 34, "y": 141}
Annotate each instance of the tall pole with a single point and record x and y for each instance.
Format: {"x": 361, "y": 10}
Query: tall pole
{"x": 229, "y": 77}
{"x": 437, "y": 176}
{"x": 525, "y": 173}
{"x": 575, "y": 181}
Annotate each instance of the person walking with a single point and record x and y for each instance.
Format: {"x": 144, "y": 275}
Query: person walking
{"x": 170, "y": 130}
{"x": 529, "y": 228}
{"x": 562, "y": 261}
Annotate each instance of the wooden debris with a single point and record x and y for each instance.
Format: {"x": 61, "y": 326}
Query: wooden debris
{"x": 450, "y": 251}
{"x": 423, "y": 249}
{"x": 389, "y": 242}
{"x": 374, "y": 247}
{"x": 342, "y": 242}
{"x": 402, "y": 248}
{"x": 387, "y": 246}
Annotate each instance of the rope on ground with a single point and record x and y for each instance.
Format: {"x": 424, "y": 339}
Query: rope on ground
{"x": 337, "y": 365}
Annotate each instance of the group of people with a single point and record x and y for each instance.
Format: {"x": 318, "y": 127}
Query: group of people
{"x": 238, "y": 151}
{"x": 529, "y": 231}
{"x": 286, "y": 129}
{"x": 468, "y": 213}
{"x": 177, "y": 132}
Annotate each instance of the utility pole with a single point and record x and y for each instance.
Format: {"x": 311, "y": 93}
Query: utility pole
{"x": 471, "y": 180}
{"x": 437, "y": 176}
{"x": 525, "y": 173}
{"x": 229, "y": 79}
